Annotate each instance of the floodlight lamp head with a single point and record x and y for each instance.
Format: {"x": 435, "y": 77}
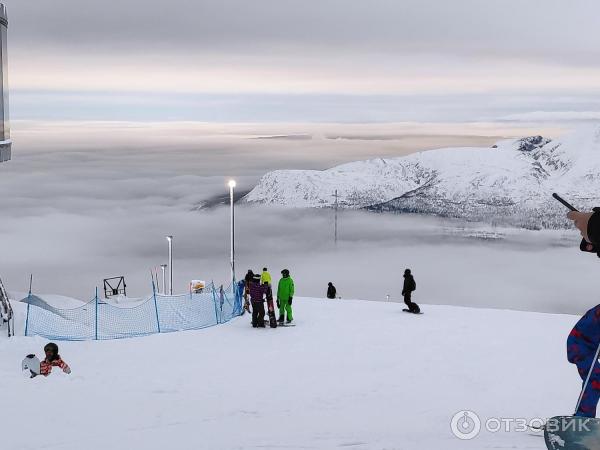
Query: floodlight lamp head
{"x": 232, "y": 183}
{"x": 169, "y": 238}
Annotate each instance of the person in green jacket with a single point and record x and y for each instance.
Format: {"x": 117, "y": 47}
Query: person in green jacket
{"x": 285, "y": 293}
{"x": 265, "y": 277}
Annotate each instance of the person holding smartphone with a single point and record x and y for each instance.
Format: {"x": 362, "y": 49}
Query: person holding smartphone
{"x": 583, "y": 342}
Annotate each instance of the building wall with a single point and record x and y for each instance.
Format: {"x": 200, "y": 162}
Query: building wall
{"x": 5, "y": 143}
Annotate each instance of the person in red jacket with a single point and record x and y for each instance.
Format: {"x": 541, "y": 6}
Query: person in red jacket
{"x": 52, "y": 359}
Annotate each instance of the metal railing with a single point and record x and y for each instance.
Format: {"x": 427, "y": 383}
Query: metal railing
{"x": 6, "y": 311}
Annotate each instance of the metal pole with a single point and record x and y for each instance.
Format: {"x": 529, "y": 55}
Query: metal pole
{"x": 587, "y": 379}
{"x": 231, "y": 187}
{"x": 96, "y": 298}
{"x": 164, "y": 286}
{"x": 170, "y": 239}
{"x": 336, "y": 215}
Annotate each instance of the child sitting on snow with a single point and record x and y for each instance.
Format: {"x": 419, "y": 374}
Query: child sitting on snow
{"x": 52, "y": 359}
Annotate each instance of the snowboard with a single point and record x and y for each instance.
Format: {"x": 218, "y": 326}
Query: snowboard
{"x": 31, "y": 363}
{"x": 409, "y": 311}
{"x": 572, "y": 433}
{"x": 271, "y": 311}
{"x": 286, "y": 324}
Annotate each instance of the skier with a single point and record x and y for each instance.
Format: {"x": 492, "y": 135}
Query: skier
{"x": 584, "y": 339}
{"x": 256, "y": 293}
{"x": 265, "y": 276}
{"x": 52, "y": 359}
{"x": 331, "y": 291}
{"x": 407, "y": 289}
{"x": 285, "y": 294}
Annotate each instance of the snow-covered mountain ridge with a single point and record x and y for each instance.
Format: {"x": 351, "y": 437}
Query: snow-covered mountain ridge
{"x": 509, "y": 183}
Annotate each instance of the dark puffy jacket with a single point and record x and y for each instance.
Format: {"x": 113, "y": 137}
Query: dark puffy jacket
{"x": 409, "y": 284}
{"x": 257, "y": 292}
{"x": 331, "y": 291}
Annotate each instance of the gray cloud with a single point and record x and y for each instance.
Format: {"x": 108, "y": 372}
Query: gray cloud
{"x": 547, "y": 29}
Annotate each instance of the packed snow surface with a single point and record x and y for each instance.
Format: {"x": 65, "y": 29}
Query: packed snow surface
{"x": 351, "y": 374}
{"x": 510, "y": 183}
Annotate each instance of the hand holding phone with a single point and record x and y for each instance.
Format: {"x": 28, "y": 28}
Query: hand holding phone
{"x": 563, "y": 201}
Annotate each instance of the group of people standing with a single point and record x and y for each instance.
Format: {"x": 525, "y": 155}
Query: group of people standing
{"x": 258, "y": 289}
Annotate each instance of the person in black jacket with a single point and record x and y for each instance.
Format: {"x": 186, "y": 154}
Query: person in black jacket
{"x": 331, "y": 291}
{"x": 409, "y": 286}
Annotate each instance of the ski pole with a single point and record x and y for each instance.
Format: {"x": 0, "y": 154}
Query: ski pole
{"x": 587, "y": 379}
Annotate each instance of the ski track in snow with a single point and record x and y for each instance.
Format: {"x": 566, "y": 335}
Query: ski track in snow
{"x": 351, "y": 374}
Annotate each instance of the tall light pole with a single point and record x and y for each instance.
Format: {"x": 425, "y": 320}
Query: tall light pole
{"x": 231, "y": 186}
{"x": 170, "y": 239}
{"x": 164, "y": 286}
{"x": 336, "y": 214}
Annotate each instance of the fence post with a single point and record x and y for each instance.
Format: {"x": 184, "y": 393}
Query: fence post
{"x": 27, "y": 319}
{"x": 28, "y": 304}
{"x": 96, "y": 327}
{"x": 215, "y": 301}
{"x": 155, "y": 306}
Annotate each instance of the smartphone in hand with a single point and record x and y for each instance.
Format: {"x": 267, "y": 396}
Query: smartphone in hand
{"x": 563, "y": 201}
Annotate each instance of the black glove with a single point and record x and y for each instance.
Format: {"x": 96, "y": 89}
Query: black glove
{"x": 585, "y": 246}
{"x": 31, "y": 355}
{"x": 290, "y": 302}
{"x": 278, "y": 305}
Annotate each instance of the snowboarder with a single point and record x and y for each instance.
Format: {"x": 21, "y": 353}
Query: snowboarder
{"x": 265, "y": 276}
{"x": 584, "y": 338}
{"x": 285, "y": 294}
{"x": 52, "y": 359}
{"x": 256, "y": 293}
{"x": 409, "y": 286}
{"x": 331, "y": 291}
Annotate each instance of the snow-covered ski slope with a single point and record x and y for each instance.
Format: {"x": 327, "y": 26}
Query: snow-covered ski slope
{"x": 510, "y": 183}
{"x": 351, "y": 374}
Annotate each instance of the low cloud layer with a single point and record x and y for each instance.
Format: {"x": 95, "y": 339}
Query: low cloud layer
{"x": 98, "y": 201}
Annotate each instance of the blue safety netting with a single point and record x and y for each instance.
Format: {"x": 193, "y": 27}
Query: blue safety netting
{"x": 100, "y": 319}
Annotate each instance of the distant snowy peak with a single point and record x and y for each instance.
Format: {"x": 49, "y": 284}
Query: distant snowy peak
{"x": 512, "y": 178}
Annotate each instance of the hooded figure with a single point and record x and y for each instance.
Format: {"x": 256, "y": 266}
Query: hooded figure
{"x": 409, "y": 286}
{"x": 331, "y": 291}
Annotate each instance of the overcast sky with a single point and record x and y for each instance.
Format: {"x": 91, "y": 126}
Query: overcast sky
{"x": 86, "y": 52}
